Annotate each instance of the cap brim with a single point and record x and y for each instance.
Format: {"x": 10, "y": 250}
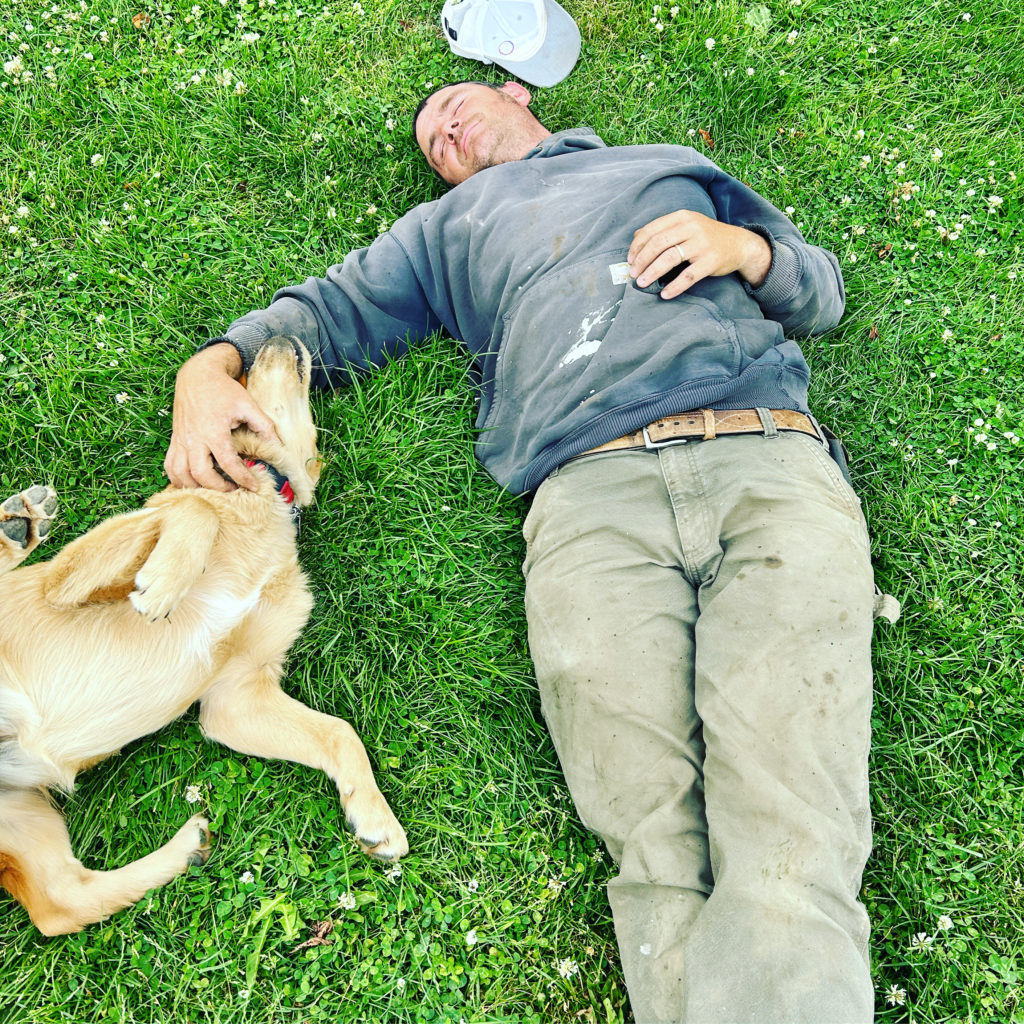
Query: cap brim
{"x": 556, "y": 57}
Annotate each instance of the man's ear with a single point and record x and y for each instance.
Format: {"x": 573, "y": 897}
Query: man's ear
{"x": 518, "y": 92}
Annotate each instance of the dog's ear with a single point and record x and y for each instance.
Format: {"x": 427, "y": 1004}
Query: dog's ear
{"x": 101, "y": 566}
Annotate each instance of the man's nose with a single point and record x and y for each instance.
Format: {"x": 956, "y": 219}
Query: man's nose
{"x": 452, "y": 127}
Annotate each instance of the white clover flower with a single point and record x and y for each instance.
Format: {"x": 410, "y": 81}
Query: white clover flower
{"x": 250, "y": 37}
{"x": 750, "y": 72}
{"x": 896, "y": 996}
{"x": 346, "y": 901}
{"x": 994, "y": 202}
{"x": 790, "y": 210}
{"x": 852, "y": 258}
{"x": 193, "y": 794}
{"x": 394, "y": 873}
{"x": 96, "y": 159}
{"x": 471, "y": 939}
{"x": 791, "y": 38}
{"x": 247, "y": 877}
{"x": 390, "y": 124}
{"x": 709, "y": 43}
{"x": 966, "y": 17}
{"x": 472, "y": 885}
{"x": 567, "y": 968}
{"x": 240, "y": 89}
{"x": 371, "y": 210}
{"x": 936, "y": 155}
{"x": 921, "y": 942}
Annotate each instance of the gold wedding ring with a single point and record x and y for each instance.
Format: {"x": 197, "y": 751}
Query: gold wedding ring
{"x": 682, "y": 255}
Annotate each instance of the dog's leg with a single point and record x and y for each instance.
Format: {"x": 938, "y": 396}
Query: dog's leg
{"x": 25, "y": 521}
{"x": 39, "y": 869}
{"x": 188, "y": 530}
{"x": 101, "y": 565}
{"x": 247, "y": 710}
{"x": 152, "y": 557}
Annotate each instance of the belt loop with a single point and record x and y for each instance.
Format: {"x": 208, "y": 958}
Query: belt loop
{"x": 709, "y": 424}
{"x": 767, "y": 422}
{"x": 822, "y": 436}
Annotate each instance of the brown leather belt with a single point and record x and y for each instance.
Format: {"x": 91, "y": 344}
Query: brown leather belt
{"x": 705, "y": 424}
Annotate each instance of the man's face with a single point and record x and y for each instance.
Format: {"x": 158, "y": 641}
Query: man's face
{"x": 464, "y": 128}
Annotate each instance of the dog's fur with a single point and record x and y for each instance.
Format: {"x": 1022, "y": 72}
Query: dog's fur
{"x": 195, "y": 597}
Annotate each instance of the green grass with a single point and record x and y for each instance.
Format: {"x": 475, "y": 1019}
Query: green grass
{"x": 204, "y": 201}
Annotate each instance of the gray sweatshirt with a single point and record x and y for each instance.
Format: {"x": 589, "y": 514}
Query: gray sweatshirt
{"x": 520, "y": 262}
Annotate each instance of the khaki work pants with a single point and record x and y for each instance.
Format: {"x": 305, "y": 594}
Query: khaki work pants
{"x": 700, "y": 620}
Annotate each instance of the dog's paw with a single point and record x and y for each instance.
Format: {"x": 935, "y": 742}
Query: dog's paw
{"x": 378, "y": 832}
{"x": 193, "y": 839}
{"x": 156, "y": 598}
{"x": 25, "y": 520}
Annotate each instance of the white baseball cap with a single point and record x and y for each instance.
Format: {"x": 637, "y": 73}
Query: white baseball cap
{"x": 535, "y": 40}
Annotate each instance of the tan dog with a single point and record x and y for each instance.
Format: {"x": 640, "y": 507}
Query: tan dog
{"x": 195, "y": 597}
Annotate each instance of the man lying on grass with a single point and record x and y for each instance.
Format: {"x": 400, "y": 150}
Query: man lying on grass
{"x": 698, "y": 587}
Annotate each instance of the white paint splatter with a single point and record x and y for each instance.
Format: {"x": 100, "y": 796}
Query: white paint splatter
{"x": 584, "y": 344}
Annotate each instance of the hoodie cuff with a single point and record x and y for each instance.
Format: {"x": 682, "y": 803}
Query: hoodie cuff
{"x": 248, "y": 339}
{"x": 784, "y": 274}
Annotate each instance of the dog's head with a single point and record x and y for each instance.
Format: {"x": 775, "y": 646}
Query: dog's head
{"x": 278, "y": 382}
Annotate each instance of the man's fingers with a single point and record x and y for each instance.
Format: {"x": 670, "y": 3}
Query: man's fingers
{"x": 204, "y": 472}
{"x": 658, "y": 258}
{"x": 229, "y": 462}
{"x": 688, "y": 277}
{"x": 259, "y": 423}
{"x": 176, "y": 467}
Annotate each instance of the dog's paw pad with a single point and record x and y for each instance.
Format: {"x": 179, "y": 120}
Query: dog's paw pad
{"x": 15, "y": 530}
{"x": 26, "y": 518}
{"x": 14, "y": 505}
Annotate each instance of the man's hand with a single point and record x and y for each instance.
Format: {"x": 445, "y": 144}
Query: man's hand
{"x": 209, "y": 403}
{"x": 711, "y": 248}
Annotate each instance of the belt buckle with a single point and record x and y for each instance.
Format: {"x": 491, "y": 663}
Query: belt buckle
{"x": 655, "y": 445}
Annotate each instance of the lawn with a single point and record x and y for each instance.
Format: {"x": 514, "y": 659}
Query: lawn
{"x": 163, "y": 168}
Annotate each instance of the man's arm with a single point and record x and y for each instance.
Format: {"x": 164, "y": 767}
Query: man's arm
{"x": 702, "y": 246}
{"x": 361, "y": 313}
{"x": 802, "y": 285}
{"x": 209, "y": 402}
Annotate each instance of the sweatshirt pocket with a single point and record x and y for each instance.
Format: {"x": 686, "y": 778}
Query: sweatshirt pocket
{"x": 582, "y": 341}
